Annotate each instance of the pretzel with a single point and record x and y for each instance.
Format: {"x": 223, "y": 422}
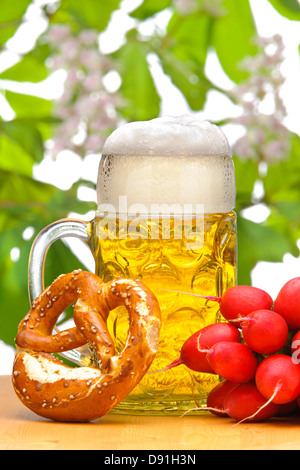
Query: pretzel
{"x": 56, "y": 391}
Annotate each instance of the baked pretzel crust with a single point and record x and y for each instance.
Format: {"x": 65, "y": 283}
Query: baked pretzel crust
{"x": 56, "y": 391}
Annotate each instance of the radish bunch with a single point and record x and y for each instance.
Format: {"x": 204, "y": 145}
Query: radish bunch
{"x": 256, "y": 352}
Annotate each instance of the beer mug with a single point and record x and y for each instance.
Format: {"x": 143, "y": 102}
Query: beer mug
{"x": 166, "y": 194}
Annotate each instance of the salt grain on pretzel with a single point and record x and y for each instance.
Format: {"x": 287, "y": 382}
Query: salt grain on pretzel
{"x": 55, "y": 391}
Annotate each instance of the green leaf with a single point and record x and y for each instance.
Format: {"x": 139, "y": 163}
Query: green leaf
{"x": 246, "y": 174}
{"x": 25, "y": 199}
{"x": 282, "y": 181}
{"x": 11, "y": 17}
{"x": 149, "y": 8}
{"x": 19, "y": 189}
{"x": 85, "y": 14}
{"x": 28, "y": 69}
{"x": 14, "y": 301}
{"x": 25, "y": 135}
{"x": 28, "y": 106}
{"x": 138, "y": 89}
{"x": 232, "y": 37}
{"x": 288, "y": 8}
{"x": 290, "y": 210}
{"x": 285, "y": 219}
{"x": 188, "y": 77}
{"x": 258, "y": 242}
{"x": 14, "y": 158}
{"x": 22, "y": 199}
{"x": 34, "y": 110}
{"x": 189, "y": 38}
{"x": 183, "y": 54}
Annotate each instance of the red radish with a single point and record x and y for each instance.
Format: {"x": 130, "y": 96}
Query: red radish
{"x": 288, "y": 408}
{"x": 191, "y": 353}
{"x": 298, "y": 402}
{"x": 287, "y": 303}
{"x": 278, "y": 378}
{"x": 215, "y": 399}
{"x": 240, "y": 301}
{"x": 233, "y": 361}
{"x": 246, "y": 403}
{"x": 295, "y": 347}
{"x": 265, "y": 331}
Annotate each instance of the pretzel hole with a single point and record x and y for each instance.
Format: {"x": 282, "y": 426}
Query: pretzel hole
{"x": 82, "y": 356}
{"x": 117, "y": 325}
{"x": 65, "y": 320}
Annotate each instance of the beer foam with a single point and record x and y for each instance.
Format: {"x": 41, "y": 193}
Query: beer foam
{"x": 168, "y": 136}
{"x": 167, "y": 162}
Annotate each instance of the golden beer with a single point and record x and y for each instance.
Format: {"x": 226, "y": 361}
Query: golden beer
{"x": 167, "y": 266}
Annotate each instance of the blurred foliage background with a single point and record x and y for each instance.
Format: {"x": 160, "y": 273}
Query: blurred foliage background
{"x": 96, "y": 90}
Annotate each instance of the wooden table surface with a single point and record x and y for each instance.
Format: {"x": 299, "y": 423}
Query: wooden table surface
{"x": 20, "y": 429}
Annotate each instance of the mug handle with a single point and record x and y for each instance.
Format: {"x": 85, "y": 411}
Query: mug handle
{"x": 60, "y": 229}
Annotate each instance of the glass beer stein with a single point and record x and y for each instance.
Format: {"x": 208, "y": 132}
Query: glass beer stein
{"x": 166, "y": 194}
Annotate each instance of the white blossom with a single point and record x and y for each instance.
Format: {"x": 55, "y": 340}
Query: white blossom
{"x": 266, "y": 138}
{"x": 86, "y": 109}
